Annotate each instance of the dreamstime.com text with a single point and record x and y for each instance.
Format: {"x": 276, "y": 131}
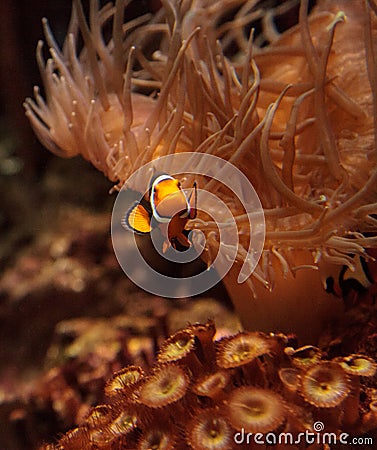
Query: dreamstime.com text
{"x": 308, "y": 437}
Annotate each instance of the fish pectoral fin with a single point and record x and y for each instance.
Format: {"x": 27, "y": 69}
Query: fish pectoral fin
{"x": 137, "y": 219}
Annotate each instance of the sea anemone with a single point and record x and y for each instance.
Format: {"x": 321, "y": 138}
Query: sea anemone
{"x": 127, "y": 377}
{"x": 325, "y": 385}
{"x": 235, "y": 351}
{"x": 255, "y": 410}
{"x": 290, "y": 379}
{"x": 355, "y": 366}
{"x": 304, "y": 356}
{"x": 166, "y": 385}
{"x": 117, "y": 428}
{"x": 297, "y": 116}
{"x": 210, "y": 431}
{"x": 99, "y": 415}
{"x": 212, "y": 385}
{"x": 157, "y": 439}
{"x": 358, "y": 365}
{"x": 178, "y": 346}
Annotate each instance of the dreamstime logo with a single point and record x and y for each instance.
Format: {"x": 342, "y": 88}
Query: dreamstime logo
{"x": 142, "y": 257}
{"x": 318, "y": 426}
{"x": 307, "y": 437}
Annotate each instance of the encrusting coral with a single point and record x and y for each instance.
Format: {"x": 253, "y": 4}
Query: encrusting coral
{"x": 195, "y": 397}
{"x": 298, "y": 116}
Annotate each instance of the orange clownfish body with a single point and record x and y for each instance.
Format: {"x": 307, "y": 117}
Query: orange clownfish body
{"x": 166, "y": 207}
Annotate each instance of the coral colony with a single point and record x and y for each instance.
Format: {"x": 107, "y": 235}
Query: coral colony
{"x": 297, "y": 113}
{"x": 200, "y": 393}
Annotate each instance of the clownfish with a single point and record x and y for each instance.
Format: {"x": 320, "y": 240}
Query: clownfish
{"x": 362, "y": 279}
{"x": 165, "y": 206}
